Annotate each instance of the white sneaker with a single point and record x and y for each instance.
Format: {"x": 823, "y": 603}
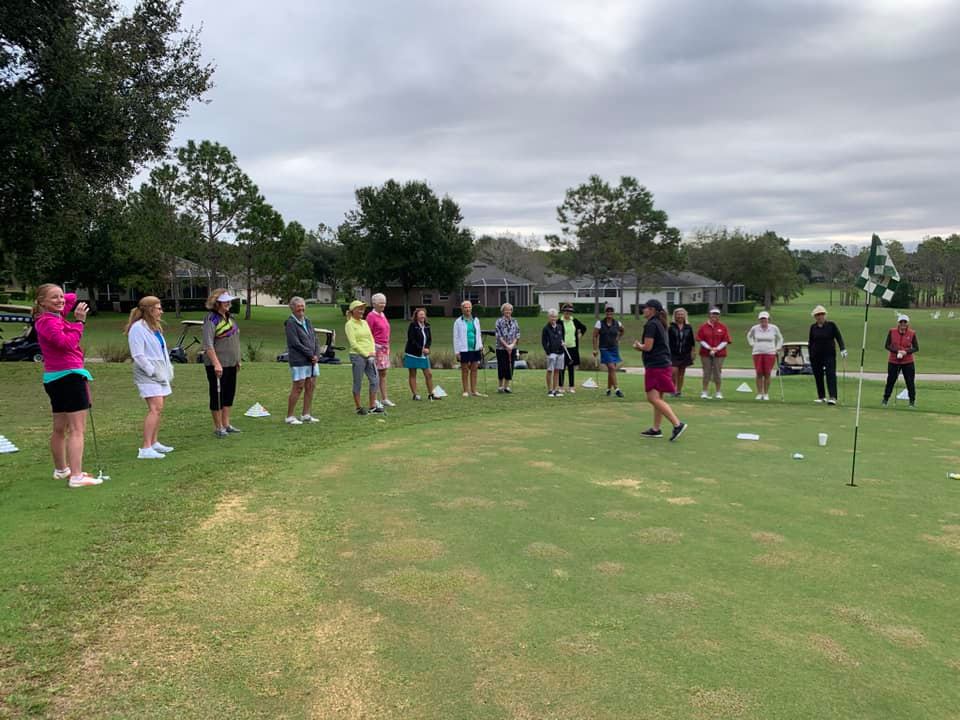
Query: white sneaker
{"x": 61, "y": 474}
{"x": 718, "y": 396}
{"x": 389, "y": 403}
{"x": 766, "y": 397}
{"x": 309, "y": 419}
{"x": 571, "y": 391}
{"x": 85, "y": 480}
{"x": 759, "y": 396}
{"x": 378, "y": 404}
{"x": 291, "y": 420}
{"x": 160, "y": 447}
{"x": 704, "y": 396}
{"x": 150, "y": 454}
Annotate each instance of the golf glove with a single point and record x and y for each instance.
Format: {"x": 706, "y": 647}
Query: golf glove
{"x": 843, "y": 353}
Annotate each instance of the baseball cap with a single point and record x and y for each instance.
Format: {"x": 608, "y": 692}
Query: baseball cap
{"x": 902, "y": 318}
{"x": 653, "y": 303}
{"x": 763, "y": 315}
{"x": 714, "y": 311}
{"x": 357, "y": 303}
{"x": 225, "y": 297}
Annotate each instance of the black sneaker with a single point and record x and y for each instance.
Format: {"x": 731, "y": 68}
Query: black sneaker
{"x": 231, "y": 429}
{"x": 619, "y": 393}
{"x": 508, "y": 391}
{"x": 416, "y": 398}
{"x": 609, "y": 391}
{"x": 652, "y": 433}
{"x": 431, "y": 397}
{"x": 378, "y": 410}
{"x": 678, "y": 430}
{"x": 883, "y": 403}
{"x": 361, "y": 411}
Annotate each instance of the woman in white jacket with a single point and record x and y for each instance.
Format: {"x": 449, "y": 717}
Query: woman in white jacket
{"x": 765, "y": 340}
{"x": 152, "y": 370}
{"x": 468, "y": 347}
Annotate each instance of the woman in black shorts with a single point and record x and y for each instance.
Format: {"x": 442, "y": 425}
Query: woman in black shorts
{"x": 221, "y": 356}
{"x": 65, "y": 381}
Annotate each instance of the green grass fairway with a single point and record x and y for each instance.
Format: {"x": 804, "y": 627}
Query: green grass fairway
{"x": 485, "y": 558}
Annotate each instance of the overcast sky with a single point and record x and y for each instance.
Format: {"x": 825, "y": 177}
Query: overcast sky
{"x": 823, "y": 121}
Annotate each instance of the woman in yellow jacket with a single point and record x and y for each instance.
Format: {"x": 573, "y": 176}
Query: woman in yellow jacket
{"x": 362, "y": 356}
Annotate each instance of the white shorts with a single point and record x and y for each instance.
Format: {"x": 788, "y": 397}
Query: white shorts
{"x": 149, "y": 390}
{"x": 555, "y": 361}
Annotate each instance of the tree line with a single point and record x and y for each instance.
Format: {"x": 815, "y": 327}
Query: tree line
{"x": 89, "y": 96}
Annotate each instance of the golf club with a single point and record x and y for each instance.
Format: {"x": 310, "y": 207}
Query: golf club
{"x": 783, "y": 398}
{"x": 96, "y": 447}
{"x": 843, "y": 388}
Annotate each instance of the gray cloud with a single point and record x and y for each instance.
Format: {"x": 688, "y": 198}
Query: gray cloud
{"x": 819, "y": 120}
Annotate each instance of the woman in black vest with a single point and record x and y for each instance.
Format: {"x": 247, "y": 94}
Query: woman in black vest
{"x": 682, "y": 345}
{"x": 416, "y": 354}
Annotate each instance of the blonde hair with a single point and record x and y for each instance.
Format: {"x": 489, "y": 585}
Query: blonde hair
{"x": 680, "y": 310}
{"x": 140, "y": 313}
{"x": 211, "y": 303}
{"x": 41, "y": 295}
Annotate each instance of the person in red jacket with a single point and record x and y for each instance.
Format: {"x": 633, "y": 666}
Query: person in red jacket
{"x": 902, "y": 344}
{"x": 713, "y": 338}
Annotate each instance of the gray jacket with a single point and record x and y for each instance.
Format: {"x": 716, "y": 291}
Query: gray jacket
{"x": 302, "y": 343}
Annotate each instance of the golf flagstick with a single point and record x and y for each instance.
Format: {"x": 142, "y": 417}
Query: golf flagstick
{"x": 856, "y": 425}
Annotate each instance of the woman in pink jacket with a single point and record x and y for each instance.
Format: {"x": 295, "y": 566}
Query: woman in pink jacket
{"x": 65, "y": 381}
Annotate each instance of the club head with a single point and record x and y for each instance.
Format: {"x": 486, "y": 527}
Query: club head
{"x": 101, "y": 476}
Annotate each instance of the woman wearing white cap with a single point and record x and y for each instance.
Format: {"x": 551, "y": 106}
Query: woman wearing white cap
{"x": 823, "y": 355}
{"x": 901, "y": 344}
{"x": 221, "y": 359}
{"x": 765, "y": 340}
{"x": 713, "y": 337}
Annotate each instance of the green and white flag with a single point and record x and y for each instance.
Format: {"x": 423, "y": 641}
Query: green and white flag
{"x": 879, "y": 278}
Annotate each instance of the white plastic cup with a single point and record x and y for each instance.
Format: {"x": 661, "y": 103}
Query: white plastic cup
{"x": 822, "y": 439}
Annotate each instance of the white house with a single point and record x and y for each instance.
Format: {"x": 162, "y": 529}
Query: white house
{"x": 670, "y": 288}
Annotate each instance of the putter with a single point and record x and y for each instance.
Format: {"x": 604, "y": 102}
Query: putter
{"x": 96, "y": 447}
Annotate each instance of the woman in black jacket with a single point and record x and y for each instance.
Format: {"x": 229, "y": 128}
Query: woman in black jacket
{"x": 823, "y": 355}
{"x": 416, "y": 354}
{"x": 682, "y": 345}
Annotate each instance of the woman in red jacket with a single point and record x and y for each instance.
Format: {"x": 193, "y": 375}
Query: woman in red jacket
{"x": 902, "y": 344}
{"x": 713, "y": 338}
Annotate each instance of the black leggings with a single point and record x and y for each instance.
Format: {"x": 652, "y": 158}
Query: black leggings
{"x": 505, "y": 364}
{"x": 571, "y": 362}
{"x": 893, "y": 371}
{"x": 228, "y": 387}
{"x": 825, "y": 365}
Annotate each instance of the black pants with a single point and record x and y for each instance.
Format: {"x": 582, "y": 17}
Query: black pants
{"x": 505, "y": 364}
{"x": 571, "y": 361}
{"x": 893, "y": 372}
{"x": 825, "y": 365}
{"x": 228, "y": 387}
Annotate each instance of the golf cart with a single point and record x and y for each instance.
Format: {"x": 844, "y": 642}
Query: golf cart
{"x": 178, "y": 353}
{"x": 490, "y": 359}
{"x": 795, "y": 359}
{"x": 327, "y": 354}
{"x": 24, "y": 346}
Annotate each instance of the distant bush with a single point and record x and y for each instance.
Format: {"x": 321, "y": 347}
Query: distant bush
{"x": 691, "y": 308}
{"x": 115, "y": 352}
{"x": 255, "y": 352}
{"x": 747, "y": 306}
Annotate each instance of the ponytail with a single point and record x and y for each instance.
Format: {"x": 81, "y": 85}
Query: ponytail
{"x": 139, "y": 313}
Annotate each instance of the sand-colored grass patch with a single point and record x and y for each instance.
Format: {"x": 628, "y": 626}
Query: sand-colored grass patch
{"x": 541, "y": 464}
{"x": 681, "y": 501}
{"x": 706, "y": 480}
{"x": 950, "y": 540}
{"x": 832, "y": 650}
{"x": 836, "y": 512}
{"x": 777, "y": 559}
{"x": 545, "y": 551}
{"x": 629, "y": 483}
{"x": 230, "y": 509}
{"x": 767, "y": 538}
{"x": 349, "y": 688}
{"x": 717, "y": 703}
{"x": 672, "y": 600}
{"x": 580, "y": 644}
{"x": 609, "y": 568}
{"x": 901, "y": 635}
{"x": 657, "y": 536}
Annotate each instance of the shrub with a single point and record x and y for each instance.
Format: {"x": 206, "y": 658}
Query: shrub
{"x": 255, "y": 352}
{"x": 691, "y": 308}
{"x": 747, "y": 306}
{"x": 115, "y": 352}
{"x": 442, "y": 359}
